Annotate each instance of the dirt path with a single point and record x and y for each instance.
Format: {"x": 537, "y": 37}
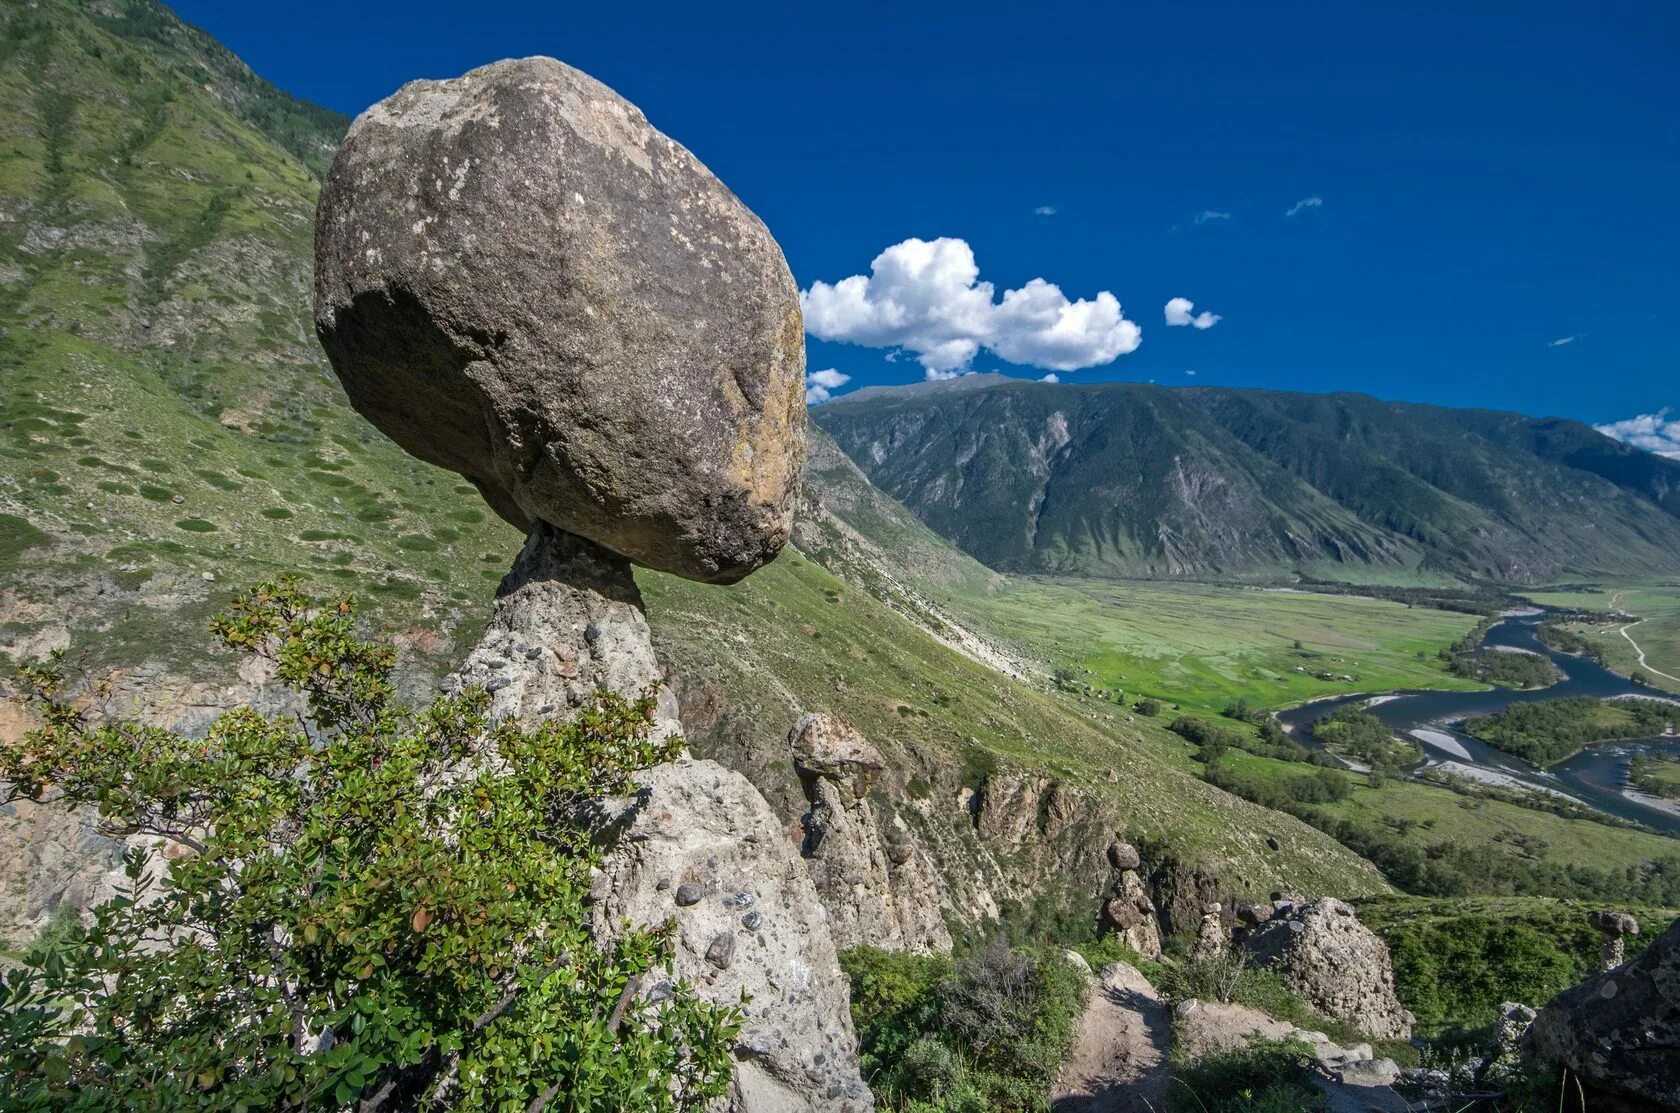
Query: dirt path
{"x": 1640, "y": 653}
{"x": 1119, "y": 1058}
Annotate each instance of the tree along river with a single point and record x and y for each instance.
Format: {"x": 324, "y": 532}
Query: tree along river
{"x": 1596, "y": 776}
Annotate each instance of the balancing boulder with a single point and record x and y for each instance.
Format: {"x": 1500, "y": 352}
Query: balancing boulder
{"x": 520, "y": 279}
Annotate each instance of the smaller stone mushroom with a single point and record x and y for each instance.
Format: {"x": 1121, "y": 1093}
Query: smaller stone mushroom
{"x": 1210, "y": 935}
{"x": 1615, "y": 927}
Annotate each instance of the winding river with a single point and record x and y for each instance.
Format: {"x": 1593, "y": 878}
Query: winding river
{"x": 1595, "y": 776}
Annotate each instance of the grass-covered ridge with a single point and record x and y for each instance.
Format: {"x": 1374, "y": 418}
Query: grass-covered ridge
{"x": 168, "y": 414}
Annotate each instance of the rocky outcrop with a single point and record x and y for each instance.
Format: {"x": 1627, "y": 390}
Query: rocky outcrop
{"x": 1619, "y": 1032}
{"x": 52, "y": 856}
{"x": 1615, "y": 927}
{"x": 700, "y": 847}
{"x": 1333, "y": 962}
{"x": 567, "y": 621}
{"x": 518, "y": 278}
{"x": 1129, "y": 911}
{"x": 878, "y": 885}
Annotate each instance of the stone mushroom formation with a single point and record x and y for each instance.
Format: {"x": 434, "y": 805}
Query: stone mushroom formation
{"x": 518, "y": 278}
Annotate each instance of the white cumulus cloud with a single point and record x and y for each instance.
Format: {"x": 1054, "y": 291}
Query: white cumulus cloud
{"x": 821, "y": 385}
{"x": 1178, "y": 312}
{"x": 1052, "y": 377}
{"x": 1652, "y": 432}
{"x": 926, "y": 297}
{"x": 1561, "y": 341}
{"x": 1304, "y": 204}
{"x": 1045, "y": 210}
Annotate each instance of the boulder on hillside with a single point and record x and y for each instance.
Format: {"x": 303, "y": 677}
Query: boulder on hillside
{"x": 1619, "y": 1032}
{"x": 518, "y": 278}
{"x": 1333, "y": 962}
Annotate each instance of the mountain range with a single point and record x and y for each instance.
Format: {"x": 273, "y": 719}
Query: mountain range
{"x": 1133, "y": 479}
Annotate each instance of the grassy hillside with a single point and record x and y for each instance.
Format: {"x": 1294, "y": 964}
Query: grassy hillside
{"x": 1133, "y": 479}
{"x": 171, "y": 430}
{"x": 168, "y": 416}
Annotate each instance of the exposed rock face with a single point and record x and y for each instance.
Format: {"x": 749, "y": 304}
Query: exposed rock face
{"x": 520, "y": 279}
{"x": 567, "y": 620}
{"x": 1335, "y": 963}
{"x": 1620, "y": 1031}
{"x": 878, "y": 885}
{"x": 52, "y": 856}
{"x": 701, "y": 846}
{"x": 1184, "y": 892}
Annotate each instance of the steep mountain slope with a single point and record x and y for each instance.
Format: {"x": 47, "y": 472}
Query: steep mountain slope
{"x": 1131, "y": 479}
{"x": 167, "y": 414}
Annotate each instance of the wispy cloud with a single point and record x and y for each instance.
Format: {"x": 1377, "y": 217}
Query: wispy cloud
{"x": 1303, "y": 205}
{"x": 1192, "y": 374}
{"x": 1562, "y": 340}
{"x": 1209, "y": 214}
{"x": 1179, "y": 312}
{"x": 926, "y": 297}
{"x": 1652, "y": 432}
{"x": 1046, "y": 210}
{"x": 821, "y": 385}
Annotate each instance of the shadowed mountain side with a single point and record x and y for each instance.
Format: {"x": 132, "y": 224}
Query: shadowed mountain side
{"x": 1133, "y": 479}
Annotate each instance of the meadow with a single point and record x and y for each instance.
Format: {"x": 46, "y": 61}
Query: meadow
{"x": 1658, "y": 634}
{"x": 1201, "y": 647}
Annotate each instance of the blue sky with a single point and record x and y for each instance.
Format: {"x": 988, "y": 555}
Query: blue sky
{"x": 1497, "y": 185}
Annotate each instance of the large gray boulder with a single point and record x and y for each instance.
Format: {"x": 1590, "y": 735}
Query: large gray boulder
{"x": 1620, "y": 1031}
{"x": 1333, "y": 962}
{"x": 520, "y": 279}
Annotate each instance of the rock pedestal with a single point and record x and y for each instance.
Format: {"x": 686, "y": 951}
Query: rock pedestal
{"x": 1129, "y": 912}
{"x": 876, "y": 881}
{"x": 1615, "y": 927}
{"x": 697, "y": 844}
{"x": 567, "y": 621}
{"x": 1210, "y": 934}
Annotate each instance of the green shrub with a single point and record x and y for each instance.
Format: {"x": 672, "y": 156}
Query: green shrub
{"x": 986, "y": 1031}
{"x": 1260, "y": 1078}
{"x": 364, "y": 876}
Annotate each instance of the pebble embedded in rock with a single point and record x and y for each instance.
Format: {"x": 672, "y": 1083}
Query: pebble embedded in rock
{"x": 689, "y": 893}
{"x": 721, "y": 951}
